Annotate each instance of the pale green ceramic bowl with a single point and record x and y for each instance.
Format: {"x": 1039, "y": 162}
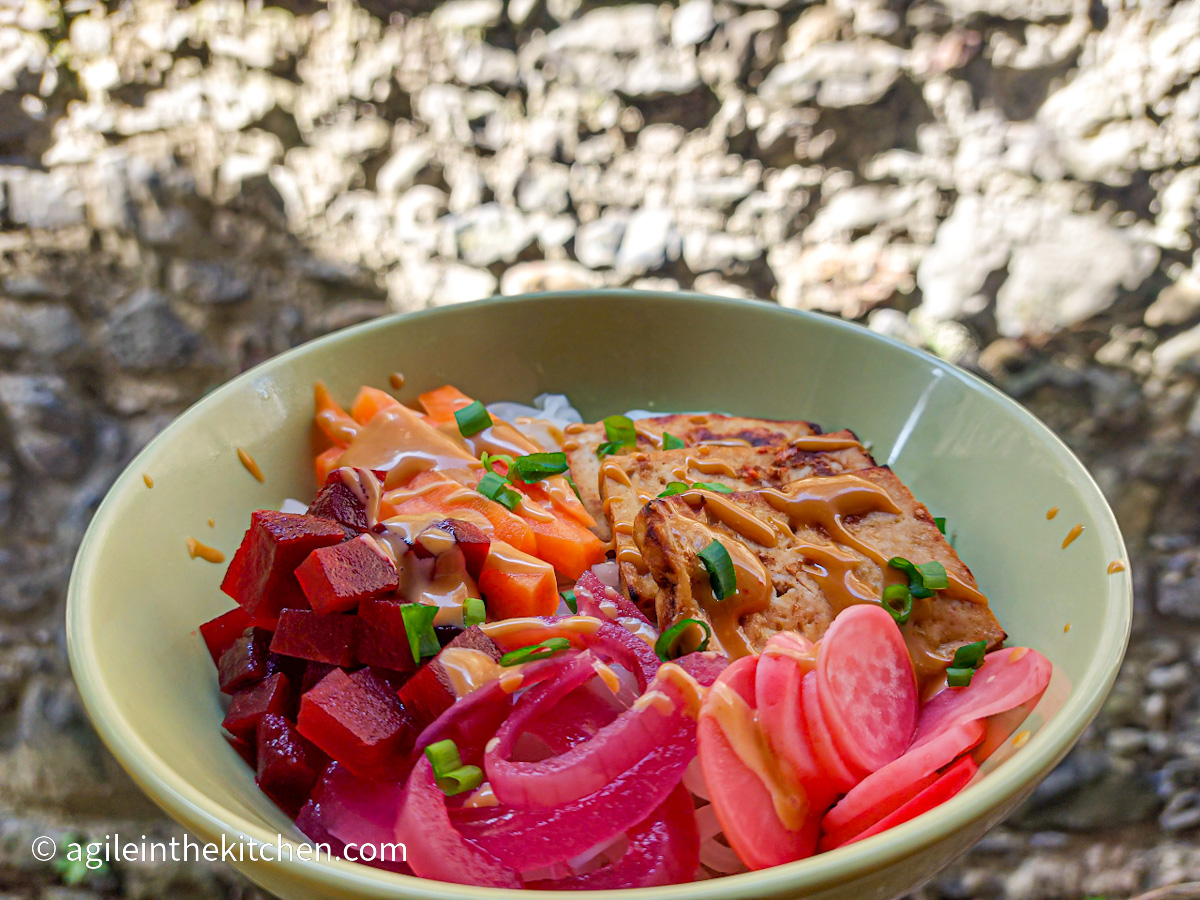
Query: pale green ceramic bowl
{"x": 971, "y": 454}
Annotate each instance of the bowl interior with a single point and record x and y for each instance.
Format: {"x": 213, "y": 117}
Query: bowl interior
{"x": 970, "y": 454}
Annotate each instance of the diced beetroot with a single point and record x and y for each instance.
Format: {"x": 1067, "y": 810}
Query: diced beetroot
{"x": 471, "y": 541}
{"x": 354, "y": 810}
{"x": 246, "y": 660}
{"x": 337, "y": 578}
{"x": 360, "y": 726}
{"x": 288, "y": 765}
{"x": 428, "y": 693}
{"x": 261, "y": 576}
{"x": 245, "y": 749}
{"x": 338, "y": 502}
{"x": 308, "y": 635}
{"x": 220, "y": 633}
{"x": 393, "y": 679}
{"x": 313, "y": 673}
{"x": 382, "y": 638}
{"x": 271, "y": 695}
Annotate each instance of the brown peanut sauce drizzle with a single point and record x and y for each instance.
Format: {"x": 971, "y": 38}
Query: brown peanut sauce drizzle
{"x": 197, "y": 550}
{"x": 820, "y": 503}
{"x": 250, "y": 465}
{"x": 403, "y": 444}
{"x": 1075, "y": 532}
{"x": 1115, "y": 566}
{"x": 815, "y": 443}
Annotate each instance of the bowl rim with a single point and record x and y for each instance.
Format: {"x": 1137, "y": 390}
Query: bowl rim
{"x": 209, "y": 819}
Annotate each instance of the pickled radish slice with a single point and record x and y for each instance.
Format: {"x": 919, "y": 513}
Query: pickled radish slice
{"x": 882, "y": 792}
{"x": 867, "y": 687}
{"x": 954, "y": 780}
{"x": 743, "y": 803}
{"x": 781, "y": 669}
{"x": 839, "y": 776}
{"x": 1007, "y": 679}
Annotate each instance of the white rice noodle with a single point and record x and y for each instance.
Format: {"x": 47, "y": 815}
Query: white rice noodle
{"x": 292, "y": 505}
{"x": 714, "y": 854}
{"x": 693, "y": 779}
{"x": 549, "y": 412}
{"x": 608, "y": 573}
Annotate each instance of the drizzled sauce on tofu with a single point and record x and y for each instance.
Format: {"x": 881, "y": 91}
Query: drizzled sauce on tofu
{"x": 815, "y": 443}
{"x": 821, "y": 504}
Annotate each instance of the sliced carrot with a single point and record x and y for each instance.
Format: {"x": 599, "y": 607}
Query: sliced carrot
{"x": 370, "y": 401}
{"x": 433, "y": 492}
{"x": 442, "y": 403}
{"x": 515, "y": 584}
{"x": 562, "y": 542}
{"x": 326, "y": 462}
{"x": 338, "y": 425}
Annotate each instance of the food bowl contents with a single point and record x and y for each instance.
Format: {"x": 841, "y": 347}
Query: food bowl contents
{"x": 543, "y": 653}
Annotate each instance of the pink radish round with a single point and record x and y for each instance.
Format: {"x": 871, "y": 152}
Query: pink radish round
{"x": 883, "y": 792}
{"x": 1007, "y": 679}
{"x": 743, "y": 804}
{"x": 777, "y": 687}
{"x": 867, "y": 688}
{"x": 838, "y": 773}
{"x": 954, "y": 780}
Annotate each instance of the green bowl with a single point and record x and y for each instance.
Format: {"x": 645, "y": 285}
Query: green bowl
{"x": 967, "y": 451}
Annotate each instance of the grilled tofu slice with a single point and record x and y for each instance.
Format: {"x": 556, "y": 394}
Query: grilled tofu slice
{"x": 582, "y": 442}
{"x": 628, "y": 482}
{"x": 803, "y": 553}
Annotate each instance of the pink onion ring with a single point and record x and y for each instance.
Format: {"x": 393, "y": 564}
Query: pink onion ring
{"x": 588, "y": 766}
{"x": 527, "y": 839}
{"x": 590, "y": 591}
{"x": 663, "y": 849}
{"x": 435, "y": 849}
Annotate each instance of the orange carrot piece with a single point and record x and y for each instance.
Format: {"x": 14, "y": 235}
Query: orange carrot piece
{"x": 531, "y": 589}
{"x": 433, "y": 492}
{"x": 564, "y": 543}
{"x": 442, "y": 403}
{"x": 326, "y": 462}
{"x": 337, "y": 424}
{"x": 369, "y": 401}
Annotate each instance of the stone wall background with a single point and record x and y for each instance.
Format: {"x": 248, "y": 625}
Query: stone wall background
{"x": 186, "y": 190}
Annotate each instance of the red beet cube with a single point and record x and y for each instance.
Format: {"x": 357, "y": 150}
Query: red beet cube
{"x": 470, "y": 540}
{"x": 246, "y": 661}
{"x": 429, "y": 692}
{"x": 338, "y": 502}
{"x": 271, "y": 695}
{"x": 382, "y": 638}
{"x": 336, "y": 579}
{"x": 220, "y": 633}
{"x": 313, "y": 673}
{"x": 247, "y": 750}
{"x": 288, "y": 765}
{"x": 308, "y": 635}
{"x": 261, "y": 576}
{"x": 361, "y": 726}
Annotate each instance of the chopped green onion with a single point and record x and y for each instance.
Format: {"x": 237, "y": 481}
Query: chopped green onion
{"x": 621, "y": 436}
{"x": 670, "y": 442}
{"x": 489, "y": 461}
{"x": 940, "y": 522}
{"x": 956, "y": 677}
{"x": 535, "y": 651}
{"x": 970, "y": 656}
{"x": 460, "y": 780}
{"x": 537, "y": 466}
{"x": 667, "y": 646}
{"x": 574, "y": 487}
{"x": 673, "y": 488}
{"x": 418, "y": 625}
{"x": 721, "y": 573}
{"x": 712, "y": 486}
{"x": 472, "y": 419}
{"x": 443, "y": 756}
{"x": 897, "y": 600}
{"x": 933, "y": 575}
{"x": 569, "y": 599}
{"x": 474, "y": 612}
{"x": 495, "y": 487}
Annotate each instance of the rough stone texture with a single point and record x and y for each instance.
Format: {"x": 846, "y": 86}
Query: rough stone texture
{"x": 186, "y": 190}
